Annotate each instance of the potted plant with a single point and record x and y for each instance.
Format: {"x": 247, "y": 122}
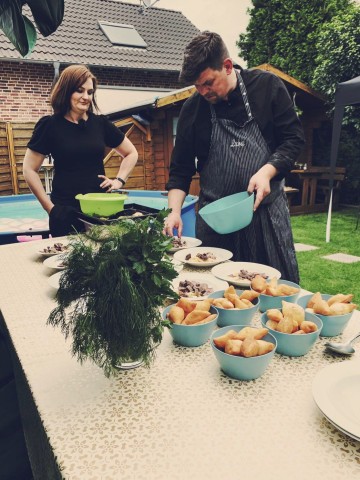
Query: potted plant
{"x": 117, "y": 278}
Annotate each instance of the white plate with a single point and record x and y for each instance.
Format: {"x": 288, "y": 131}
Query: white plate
{"x": 336, "y": 391}
{"x": 190, "y": 243}
{"x": 55, "y": 261}
{"x": 225, "y": 270}
{"x": 211, "y": 281}
{"x": 220, "y": 254}
{"x": 51, "y": 254}
{"x": 177, "y": 265}
{"x": 339, "y": 428}
{"x": 54, "y": 280}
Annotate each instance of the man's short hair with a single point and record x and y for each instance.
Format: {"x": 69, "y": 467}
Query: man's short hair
{"x": 206, "y": 50}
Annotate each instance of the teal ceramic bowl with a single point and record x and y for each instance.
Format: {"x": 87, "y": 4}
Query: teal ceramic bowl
{"x": 242, "y": 368}
{"x": 268, "y": 301}
{"x": 332, "y": 324}
{"x": 234, "y": 316}
{"x": 229, "y": 214}
{"x": 295, "y": 345}
{"x": 191, "y": 335}
{"x": 103, "y": 204}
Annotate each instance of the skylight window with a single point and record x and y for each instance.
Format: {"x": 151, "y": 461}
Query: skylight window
{"x": 123, "y": 35}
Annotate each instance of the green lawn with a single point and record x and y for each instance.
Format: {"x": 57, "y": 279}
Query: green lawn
{"x": 317, "y": 273}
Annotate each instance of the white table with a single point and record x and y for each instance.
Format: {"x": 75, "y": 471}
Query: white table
{"x": 182, "y": 419}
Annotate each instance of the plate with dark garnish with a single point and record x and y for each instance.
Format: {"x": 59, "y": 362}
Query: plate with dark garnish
{"x": 241, "y": 273}
{"x": 203, "y": 256}
{"x": 197, "y": 287}
{"x": 54, "y": 249}
{"x": 179, "y": 243}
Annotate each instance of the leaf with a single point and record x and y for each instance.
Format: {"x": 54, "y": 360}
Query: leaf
{"x": 116, "y": 279}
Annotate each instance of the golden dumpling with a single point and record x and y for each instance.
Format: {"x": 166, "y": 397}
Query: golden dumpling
{"x": 258, "y": 283}
{"x": 195, "y": 316}
{"x": 249, "y": 295}
{"x": 176, "y": 314}
{"x": 233, "y": 346}
{"x": 220, "y": 342}
{"x": 315, "y": 298}
{"x": 187, "y": 305}
{"x": 293, "y": 311}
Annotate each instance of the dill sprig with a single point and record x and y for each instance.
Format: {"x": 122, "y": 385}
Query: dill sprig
{"x": 108, "y": 301}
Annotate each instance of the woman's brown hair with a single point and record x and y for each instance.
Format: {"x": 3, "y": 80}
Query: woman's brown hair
{"x": 69, "y": 81}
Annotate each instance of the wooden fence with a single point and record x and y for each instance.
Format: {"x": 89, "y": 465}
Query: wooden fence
{"x": 14, "y": 137}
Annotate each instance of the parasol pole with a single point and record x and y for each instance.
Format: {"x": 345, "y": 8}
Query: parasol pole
{"x": 328, "y": 223}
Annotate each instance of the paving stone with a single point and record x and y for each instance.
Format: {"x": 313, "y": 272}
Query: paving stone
{"x": 302, "y": 247}
{"x": 342, "y": 257}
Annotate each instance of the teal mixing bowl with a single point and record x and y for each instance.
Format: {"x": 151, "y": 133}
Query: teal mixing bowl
{"x": 293, "y": 345}
{"x": 242, "y": 368}
{"x": 234, "y": 316}
{"x": 229, "y": 214}
{"x": 191, "y": 335}
{"x": 332, "y": 324}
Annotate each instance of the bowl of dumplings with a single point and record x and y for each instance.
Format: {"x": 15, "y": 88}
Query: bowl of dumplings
{"x": 191, "y": 323}
{"x": 273, "y": 291}
{"x": 235, "y": 307}
{"x": 243, "y": 352}
{"x": 334, "y": 311}
{"x": 295, "y": 330}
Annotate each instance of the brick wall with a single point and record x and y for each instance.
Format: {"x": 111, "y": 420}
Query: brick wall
{"x": 24, "y": 90}
{"x": 25, "y": 87}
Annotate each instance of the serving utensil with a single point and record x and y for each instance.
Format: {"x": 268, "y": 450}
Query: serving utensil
{"x": 345, "y": 348}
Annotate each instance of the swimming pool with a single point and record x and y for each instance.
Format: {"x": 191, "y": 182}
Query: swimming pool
{"x": 21, "y": 215}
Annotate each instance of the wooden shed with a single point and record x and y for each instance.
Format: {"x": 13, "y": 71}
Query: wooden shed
{"x": 151, "y": 126}
{"x": 158, "y": 117}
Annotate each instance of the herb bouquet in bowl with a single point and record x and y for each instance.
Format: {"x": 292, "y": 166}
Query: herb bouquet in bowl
{"x": 117, "y": 277}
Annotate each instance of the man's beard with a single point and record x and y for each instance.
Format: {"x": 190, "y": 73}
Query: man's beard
{"x": 213, "y": 99}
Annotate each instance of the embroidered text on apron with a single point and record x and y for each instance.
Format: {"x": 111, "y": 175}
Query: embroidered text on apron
{"x": 236, "y": 153}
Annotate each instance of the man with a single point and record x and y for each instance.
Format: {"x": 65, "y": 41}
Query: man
{"x": 240, "y": 132}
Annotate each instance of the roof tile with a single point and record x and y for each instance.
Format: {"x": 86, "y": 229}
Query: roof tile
{"x": 80, "y": 39}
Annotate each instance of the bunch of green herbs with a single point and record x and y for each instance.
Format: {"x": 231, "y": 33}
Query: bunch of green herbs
{"x": 116, "y": 279}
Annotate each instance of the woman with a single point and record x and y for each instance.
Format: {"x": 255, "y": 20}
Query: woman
{"x": 76, "y": 139}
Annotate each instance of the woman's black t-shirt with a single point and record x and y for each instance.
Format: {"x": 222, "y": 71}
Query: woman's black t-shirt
{"x": 77, "y": 150}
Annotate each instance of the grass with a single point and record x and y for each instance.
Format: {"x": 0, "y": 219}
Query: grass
{"x": 317, "y": 273}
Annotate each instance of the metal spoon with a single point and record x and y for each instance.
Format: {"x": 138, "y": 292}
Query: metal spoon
{"x": 342, "y": 348}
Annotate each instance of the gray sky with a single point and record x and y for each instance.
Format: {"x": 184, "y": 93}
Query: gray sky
{"x": 226, "y": 17}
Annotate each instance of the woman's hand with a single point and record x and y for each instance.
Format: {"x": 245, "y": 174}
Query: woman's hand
{"x": 110, "y": 184}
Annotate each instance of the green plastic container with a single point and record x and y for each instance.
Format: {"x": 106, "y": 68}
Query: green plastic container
{"x": 103, "y": 204}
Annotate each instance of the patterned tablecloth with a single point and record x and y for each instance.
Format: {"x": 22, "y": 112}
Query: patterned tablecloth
{"x": 181, "y": 419}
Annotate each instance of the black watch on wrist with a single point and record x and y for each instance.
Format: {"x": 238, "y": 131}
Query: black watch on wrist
{"x": 120, "y": 180}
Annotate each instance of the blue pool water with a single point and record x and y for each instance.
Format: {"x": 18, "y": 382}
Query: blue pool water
{"x": 19, "y": 207}
{"x": 23, "y": 214}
